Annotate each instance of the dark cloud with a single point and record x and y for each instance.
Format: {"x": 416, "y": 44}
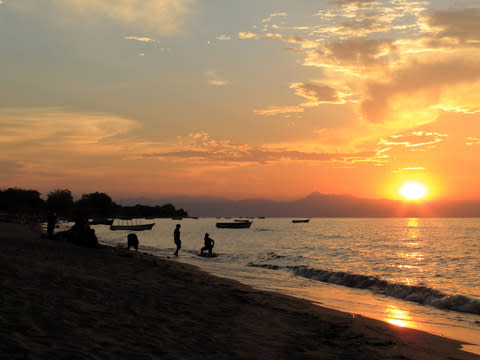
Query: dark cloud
{"x": 316, "y": 94}
{"x": 360, "y": 51}
{"x": 463, "y": 24}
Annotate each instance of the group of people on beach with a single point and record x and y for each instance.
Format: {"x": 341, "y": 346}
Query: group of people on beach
{"x": 209, "y": 243}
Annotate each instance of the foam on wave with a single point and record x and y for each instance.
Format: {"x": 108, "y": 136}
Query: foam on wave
{"x": 419, "y": 294}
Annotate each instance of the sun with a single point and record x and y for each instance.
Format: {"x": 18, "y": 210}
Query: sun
{"x": 413, "y": 191}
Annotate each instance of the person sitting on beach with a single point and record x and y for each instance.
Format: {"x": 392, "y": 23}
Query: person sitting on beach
{"x": 176, "y": 239}
{"x": 209, "y": 244}
{"x": 81, "y": 233}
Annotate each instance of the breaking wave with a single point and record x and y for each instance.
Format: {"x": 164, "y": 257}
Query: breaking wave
{"x": 419, "y": 294}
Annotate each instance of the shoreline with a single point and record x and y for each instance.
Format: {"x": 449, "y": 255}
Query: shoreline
{"x": 60, "y": 300}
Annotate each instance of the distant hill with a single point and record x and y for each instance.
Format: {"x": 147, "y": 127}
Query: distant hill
{"x": 314, "y": 205}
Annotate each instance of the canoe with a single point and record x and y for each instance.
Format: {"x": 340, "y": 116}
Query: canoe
{"x": 234, "y": 225}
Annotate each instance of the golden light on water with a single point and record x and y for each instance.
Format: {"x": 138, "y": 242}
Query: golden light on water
{"x": 398, "y": 317}
{"x": 413, "y": 191}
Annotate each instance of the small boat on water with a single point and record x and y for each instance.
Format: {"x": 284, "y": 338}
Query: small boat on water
{"x": 234, "y": 225}
{"x": 130, "y": 225}
{"x": 100, "y": 221}
{"x": 295, "y": 221}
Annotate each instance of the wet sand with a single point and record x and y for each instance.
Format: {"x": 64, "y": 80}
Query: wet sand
{"x": 63, "y": 301}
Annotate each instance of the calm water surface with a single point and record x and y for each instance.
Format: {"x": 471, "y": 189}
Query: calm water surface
{"x": 421, "y": 273}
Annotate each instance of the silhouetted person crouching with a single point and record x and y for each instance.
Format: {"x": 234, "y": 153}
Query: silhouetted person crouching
{"x": 209, "y": 244}
{"x": 132, "y": 241}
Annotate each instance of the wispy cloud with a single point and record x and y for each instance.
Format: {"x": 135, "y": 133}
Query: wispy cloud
{"x": 224, "y": 37}
{"x": 357, "y": 3}
{"x": 281, "y": 14}
{"x": 408, "y": 169}
{"x": 246, "y": 35}
{"x": 201, "y": 147}
{"x": 47, "y": 128}
{"x": 279, "y": 110}
{"x": 471, "y": 140}
{"x": 165, "y": 17}
{"x": 415, "y": 139}
{"x": 144, "y": 39}
{"x": 214, "y": 79}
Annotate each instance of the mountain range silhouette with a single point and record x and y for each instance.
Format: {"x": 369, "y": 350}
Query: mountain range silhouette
{"x": 315, "y": 205}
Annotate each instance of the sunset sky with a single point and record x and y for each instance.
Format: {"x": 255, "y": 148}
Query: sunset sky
{"x": 240, "y": 99}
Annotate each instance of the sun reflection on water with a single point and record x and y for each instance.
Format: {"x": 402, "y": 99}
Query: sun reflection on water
{"x": 398, "y": 317}
{"x": 413, "y": 230}
{"x": 410, "y": 257}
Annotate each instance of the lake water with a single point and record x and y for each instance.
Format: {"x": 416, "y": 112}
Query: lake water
{"x": 422, "y": 273}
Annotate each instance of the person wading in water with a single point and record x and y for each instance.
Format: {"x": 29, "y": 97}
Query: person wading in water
{"x": 176, "y": 239}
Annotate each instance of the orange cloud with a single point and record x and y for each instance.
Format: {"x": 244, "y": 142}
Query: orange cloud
{"x": 54, "y": 128}
{"x": 279, "y": 110}
{"x": 415, "y": 139}
{"x": 201, "y": 148}
{"x": 420, "y": 87}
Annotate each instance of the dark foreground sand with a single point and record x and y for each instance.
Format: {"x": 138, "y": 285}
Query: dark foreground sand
{"x": 62, "y": 301}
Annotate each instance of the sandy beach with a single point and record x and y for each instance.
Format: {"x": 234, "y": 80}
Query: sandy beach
{"x": 64, "y": 301}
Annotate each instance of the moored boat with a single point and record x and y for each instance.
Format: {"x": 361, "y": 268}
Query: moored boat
{"x": 129, "y": 225}
{"x": 234, "y": 225}
{"x": 100, "y": 221}
{"x": 137, "y": 227}
{"x": 300, "y": 221}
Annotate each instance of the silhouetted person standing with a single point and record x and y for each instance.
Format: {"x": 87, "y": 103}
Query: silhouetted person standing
{"x": 51, "y": 222}
{"x": 176, "y": 238}
{"x": 209, "y": 244}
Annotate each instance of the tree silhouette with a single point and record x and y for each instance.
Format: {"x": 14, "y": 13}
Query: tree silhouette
{"x": 61, "y": 201}
{"x": 95, "y": 205}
